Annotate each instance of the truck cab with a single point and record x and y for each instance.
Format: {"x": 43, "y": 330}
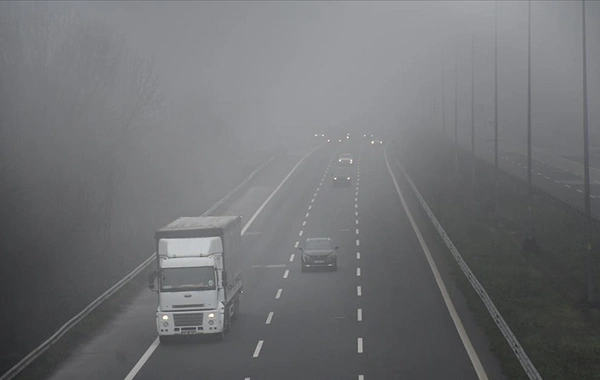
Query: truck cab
{"x": 194, "y": 296}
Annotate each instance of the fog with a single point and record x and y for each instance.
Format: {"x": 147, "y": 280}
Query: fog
{"x": 119, "y": 116}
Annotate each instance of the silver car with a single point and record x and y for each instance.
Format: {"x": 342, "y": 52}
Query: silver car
{"x": 319, "y": 252}
{"x": 345, "y": 159}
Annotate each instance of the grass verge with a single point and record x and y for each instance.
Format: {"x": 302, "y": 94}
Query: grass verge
{"x": 539, "y": 292}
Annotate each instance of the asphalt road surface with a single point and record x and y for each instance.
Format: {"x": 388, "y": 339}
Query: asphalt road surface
{"x": 381, "y": 315}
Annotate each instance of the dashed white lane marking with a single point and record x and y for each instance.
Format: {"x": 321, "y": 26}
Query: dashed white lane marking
{"x": 356, "y": 205}
{"x": 315, "y": 195}
{"x": 278, "y": 293}
{"x": 557, "y": 181}
{"x": 356, "y": 213}
{"x": 357, "y": 193}
{"x": 356, "y": 221}
{"x": 593, "y": 196}
{"x": 357, "y": 242}
{"x": 247, "y": 378}
{"x": 307, "y": 214}
{"x": 300, "y": 233}
{"x": 269, "y": 317}
{"x": 547, "y": 177}
{"x": 310, "y": 207}
{"x": 355, "y": 199}
{"x": 579, "y": 191}
{"x": 257, "y": 349}
{"x": 359, "y": 315}
{"x": 286, "y": 273}
{"x": 358, "y": 291}
{"x": 357, "y": 255}
{"x": 360, "y": 377}
{"x": 567, "y": 185}
{"x": 292, "y": 257}
{"x": 357, "y": 231}
{"x": 360, "y": 345}
{"x": 312, "y": 200}
{"x": 304, "y": 223}
{"x": 358, "y": 272}
{"x": 296, "y": 244}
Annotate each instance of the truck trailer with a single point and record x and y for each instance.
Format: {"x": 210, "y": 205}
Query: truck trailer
{"x": 198, "y": 277}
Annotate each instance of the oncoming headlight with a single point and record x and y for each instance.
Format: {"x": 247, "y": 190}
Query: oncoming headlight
{"x": 211, "y": 315}
{"x": 165, "y": 317}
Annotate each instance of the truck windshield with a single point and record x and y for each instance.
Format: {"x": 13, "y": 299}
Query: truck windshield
{"x": 181, "y": 279}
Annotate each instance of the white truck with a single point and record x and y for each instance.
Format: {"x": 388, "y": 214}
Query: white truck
{"x": 198, "y": 277}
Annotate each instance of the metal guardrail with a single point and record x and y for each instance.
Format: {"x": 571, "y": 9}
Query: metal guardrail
{"x": 23, "y": 363}
{"x": 516, "y": 347}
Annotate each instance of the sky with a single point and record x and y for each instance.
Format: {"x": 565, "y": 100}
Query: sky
{"x": 289, "y": 64}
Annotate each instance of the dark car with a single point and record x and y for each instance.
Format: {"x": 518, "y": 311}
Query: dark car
{"x": 319, "y": 252}
{"x": 341, "y": 177}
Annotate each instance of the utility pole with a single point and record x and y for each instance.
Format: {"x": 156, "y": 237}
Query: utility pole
{"x": 473, "y": 112}
{"x": 456, "y": 115}
{"x": 496, "y": 108}
{"x": 529, "y": 169}
{"x": 586, "y": 168}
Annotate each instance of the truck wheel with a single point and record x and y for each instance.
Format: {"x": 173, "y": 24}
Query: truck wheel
{"x": 236, "y": 308}
{"x": 226, "y": 323}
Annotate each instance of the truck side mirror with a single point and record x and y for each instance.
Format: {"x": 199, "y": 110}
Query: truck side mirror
{"x": 151, "y": 278}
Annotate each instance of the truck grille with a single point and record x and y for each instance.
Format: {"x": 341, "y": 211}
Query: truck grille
{"x": 190, "y": 319}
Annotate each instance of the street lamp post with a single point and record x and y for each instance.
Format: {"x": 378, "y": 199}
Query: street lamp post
{"x": 586, "y": 168}
{"x": 529, "y": 169}
{"x": 473, "y": 111}
{"x": 456, "y": 115}
{"x": 496, "y": 108}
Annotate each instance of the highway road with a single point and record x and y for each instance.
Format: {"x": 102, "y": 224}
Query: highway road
{"x": 381, "y": 315}
{"x": 554, "y": 174}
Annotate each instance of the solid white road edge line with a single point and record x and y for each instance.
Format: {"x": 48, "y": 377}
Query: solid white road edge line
{"x": 138, "y": 366}
{"x": 481, "y": 374}
{"x": 257, "y": 349}
{"x": 142, "y": 360}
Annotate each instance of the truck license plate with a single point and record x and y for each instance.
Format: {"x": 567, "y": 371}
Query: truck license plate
{"x": 189, "y": 332}
{"x": 319, "y": 261}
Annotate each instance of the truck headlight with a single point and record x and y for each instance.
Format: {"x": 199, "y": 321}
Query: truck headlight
{"x": 165, "y": 317}
{"x": 211, "y": 315}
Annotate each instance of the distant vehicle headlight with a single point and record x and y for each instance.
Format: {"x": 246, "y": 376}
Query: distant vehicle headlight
{"x": 316, "y": 135}
{"x": 348, "y": 178}
{"x": 334, "y": 178}
{"x": 211, "y": 315}
{"x": 350, "y": 161}
{"x": 372, "y": 142}
{"x": 328, "y": 140}
{"x": 165, "y": 317}
{"x": 340, "y": 160}
{"x": 322, "y": 135}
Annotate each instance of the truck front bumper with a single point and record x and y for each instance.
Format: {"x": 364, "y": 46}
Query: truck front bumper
{"x": 189, "y": 322}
